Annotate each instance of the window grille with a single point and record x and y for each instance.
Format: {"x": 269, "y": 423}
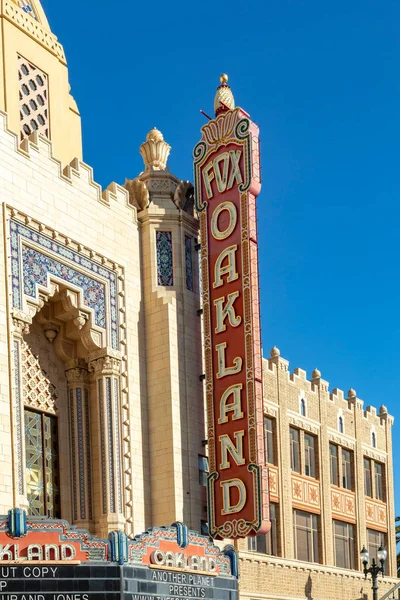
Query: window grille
{"x": 33, "y": 99}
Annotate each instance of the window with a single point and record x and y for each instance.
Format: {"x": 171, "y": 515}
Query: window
{"x": 347, "y": 468}
{"x": 165, "y": 272}
{"x": 269, "y": 440}
{"x": 367, "y": 478}
{"x": 305, "y": 530}
{"x": 378, "y": 468}
{"x": 344, "y": 544}
{"x": 303, "y": 407}
{"x": 309, "y": 455}
{"x": 33, "y": 89}
{"x": 203, "y": 469}
{"x": 294, "y": 450}
{"x": 340, "y": 425}
{"x": 42, "y": 465}
{"x": 333, "y": 451}
{"x": 376, "y": 539}
{"x": 266, "y": 544}
{"x": 373, "y": 439}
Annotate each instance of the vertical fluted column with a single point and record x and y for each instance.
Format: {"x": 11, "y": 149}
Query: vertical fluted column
{"x": 81, "y": 461}
{"x": 20, "y": 500}
{"x": 106, "y": 442}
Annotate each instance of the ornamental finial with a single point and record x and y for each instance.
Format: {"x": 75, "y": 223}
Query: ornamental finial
{"x": 224, "y": 99}
{"x": 155, "y": 150}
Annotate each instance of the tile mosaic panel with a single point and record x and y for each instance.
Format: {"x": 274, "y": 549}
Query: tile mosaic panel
{"x": 102, "y": 446}
{"x": 117, "y": 442}
{"x": 81, "y": 452}
{"x": 18, "y": 415}
{"x": 89, "y": 460}
{"x": 35, "y": 256}
{"x": 72, "y": 429}
{"x": 27, "y": 7}
{"x": 189, "y": 263}
{"x": 165, "y": 272}
{"x": 111, "y": 482}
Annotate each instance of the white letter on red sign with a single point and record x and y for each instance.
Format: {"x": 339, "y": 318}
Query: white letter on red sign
{"x": 235, "y": 406}
{"x": 236, "y": 452}
{"x": 228, "y": 509}
{"x": 226, "y": 311}
{"x": 223, "y": 370}
{"x": 229, "y": 254}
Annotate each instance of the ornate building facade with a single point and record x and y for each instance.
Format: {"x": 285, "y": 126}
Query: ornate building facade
{"x": 101, "y": 394}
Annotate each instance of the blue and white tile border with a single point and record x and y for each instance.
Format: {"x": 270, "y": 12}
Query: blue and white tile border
{"x": 35, "y": 257}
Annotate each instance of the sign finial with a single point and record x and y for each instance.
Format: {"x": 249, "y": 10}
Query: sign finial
{"x": 224, "y": 99}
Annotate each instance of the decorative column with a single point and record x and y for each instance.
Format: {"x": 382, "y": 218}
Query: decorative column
{"x": 20, "y": 326}
{"x": 81, "y": 463}
{"x": 105, "y": 410}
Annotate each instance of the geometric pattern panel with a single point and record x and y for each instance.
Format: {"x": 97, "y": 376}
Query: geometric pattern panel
{"x": 343, "y": 504}
{"x": 38, "y": 391}
{"x": 164, "y": 258}
{"x": 26, "y": 6}
{"x": 42, "y": 469}
{"x": 35, "y": 257}
{"x": 33, "y": 99}
{"x": 305, "y": 492}
{"x": 189, "y": 263}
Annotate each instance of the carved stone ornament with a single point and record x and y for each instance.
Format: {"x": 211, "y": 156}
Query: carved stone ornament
{"x": 301, "y": 424}
{"x": 105, "y": 365}
{"x": 155, "y": 150}
{"x": 138, "y": 193}
{"x": 184, "y": 197}
{"x": 342, "y": 441}
{"x": 21, "y": 327}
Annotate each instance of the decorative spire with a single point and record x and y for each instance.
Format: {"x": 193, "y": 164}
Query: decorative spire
{"x": 155, "y": 150}
{"x": 224, "y": 99}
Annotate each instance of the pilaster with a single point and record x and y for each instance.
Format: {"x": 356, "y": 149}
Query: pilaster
{"x": 81, "y": 462}
{"x": 105, "y": 414}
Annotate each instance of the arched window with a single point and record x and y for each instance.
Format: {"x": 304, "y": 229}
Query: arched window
{"x": 303, "y": 407}
{"x": 373, "y": 439}
{"x": 340, "y": 425}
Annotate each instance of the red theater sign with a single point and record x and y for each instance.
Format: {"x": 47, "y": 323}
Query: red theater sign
{"x": 227, "y": 176}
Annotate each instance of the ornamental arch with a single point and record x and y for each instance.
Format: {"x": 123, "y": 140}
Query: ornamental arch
{"x": 69, "y": 415}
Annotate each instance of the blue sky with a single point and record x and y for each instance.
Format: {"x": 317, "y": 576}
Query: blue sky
{"x": 322, "y": 81}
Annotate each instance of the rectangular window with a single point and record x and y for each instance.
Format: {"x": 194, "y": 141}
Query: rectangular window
{"x": 309, "y": 455}
{"x": 42, "y": 464}
{"x": 294, "y": 450}
{"x": 165, "y": 272}
{"x": 347, "y": 467}
{"x": 203, "y": 469}
{"x": 266, "y": 544}
{"x": 269, "y": 440}
{"x": 375, "y": 540}
{"x": 367, "y": 477}
{"x": 344, "y": 544}
{"x": 305, "y": 531}
{"x": 333, "y": 451}
{"x": 188, "y": 263}
{"x": 378, "y": 467}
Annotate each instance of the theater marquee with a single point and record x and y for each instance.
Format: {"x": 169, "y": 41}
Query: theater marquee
{"x": 227, "y": 182}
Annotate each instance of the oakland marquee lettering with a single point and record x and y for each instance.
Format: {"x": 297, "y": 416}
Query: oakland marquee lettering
{"x": 226, "y": 186}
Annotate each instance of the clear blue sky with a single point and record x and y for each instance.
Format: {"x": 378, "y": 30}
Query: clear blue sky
{"x": 322, "y": 81}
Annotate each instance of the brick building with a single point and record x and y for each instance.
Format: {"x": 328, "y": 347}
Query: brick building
{"x": 101, "y": 405}
{"x": 331, "y": 486}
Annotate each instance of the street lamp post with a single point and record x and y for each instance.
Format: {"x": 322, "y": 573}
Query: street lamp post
{"x": 374, "y": 569}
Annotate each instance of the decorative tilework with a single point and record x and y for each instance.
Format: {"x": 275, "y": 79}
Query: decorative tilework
{"x": 189, "y": 263}
{"x": 81, "y": 452}
{"x": 117, "y": 443}
{"x": 102, "y": 446}
{"x": 111, "y": 481}
{"x": 18, "y": 415}
{"x": 72, "y": 424}
{"x": 27, "y": 7}
{"x": 31, "y": 265}
{"x": 89, "y": 460}
{"x": 164, "y": 258}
